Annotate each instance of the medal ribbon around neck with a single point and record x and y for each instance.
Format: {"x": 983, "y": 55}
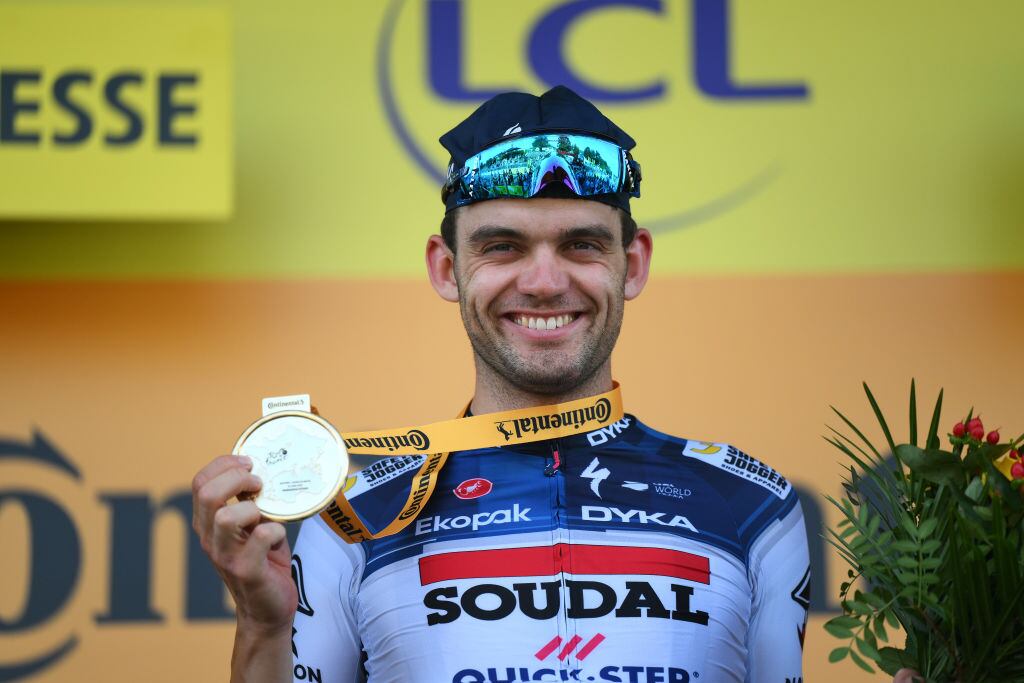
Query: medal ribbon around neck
{"x": 436, "y": 441}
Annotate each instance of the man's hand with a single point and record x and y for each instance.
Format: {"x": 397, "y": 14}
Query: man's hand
{"x": 907, "y": 676}
{"x": 252, "y": 557}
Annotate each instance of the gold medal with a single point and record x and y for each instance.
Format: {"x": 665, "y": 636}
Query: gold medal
{"x": 301, "y": 460}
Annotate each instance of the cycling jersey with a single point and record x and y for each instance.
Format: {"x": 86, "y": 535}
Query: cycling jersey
{"x": 622, "y": 555}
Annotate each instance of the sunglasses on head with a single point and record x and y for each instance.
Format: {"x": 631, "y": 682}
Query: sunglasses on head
{"x": 523, "y": 166}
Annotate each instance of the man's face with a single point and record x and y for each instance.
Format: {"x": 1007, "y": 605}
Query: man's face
{"x": 541, "y": 288}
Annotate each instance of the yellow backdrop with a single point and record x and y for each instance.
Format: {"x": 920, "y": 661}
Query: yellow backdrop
{"x": 833, "y": 191}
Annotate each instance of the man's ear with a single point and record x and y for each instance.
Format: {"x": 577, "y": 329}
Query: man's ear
{"x": 441, "y": 269}
{"x": 638, "y": 263}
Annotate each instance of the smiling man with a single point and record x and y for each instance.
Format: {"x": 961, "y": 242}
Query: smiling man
{"x": 617, "y": 554}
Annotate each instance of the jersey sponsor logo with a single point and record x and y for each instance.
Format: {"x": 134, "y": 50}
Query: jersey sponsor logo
{"x": 300, "y": 585}
{"x": 662, "y": 488}
{"x": 599, "y": 412}
{"x": 304, "y": 672}
{"x": 543, "y": 600}
{"x": 802, "y": 596}
{"x": 606, "y": 434}
{"x": 742, "y": 465}
{"x": 379, "y": 473}
{"x": 597, "y": 513}
{"x": 607, "y": 674}
{"x": 802, "y": 593}
{"x": 430, "y": 525}
{"x": 671, "y": 490}
{"x": 570, "y": 647}
{"x": 473, "y": 488}
{"x": 595, "y": 475}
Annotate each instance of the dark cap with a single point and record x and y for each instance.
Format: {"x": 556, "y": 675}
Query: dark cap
{"x": 559, "y": 109}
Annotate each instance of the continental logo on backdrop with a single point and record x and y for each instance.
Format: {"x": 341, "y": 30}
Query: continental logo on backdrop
{"x": 114, "y": 112}
{"x": 666, "y": 68}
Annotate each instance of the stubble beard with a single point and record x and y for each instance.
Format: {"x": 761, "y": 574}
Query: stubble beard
{"x": 548, "y": 371}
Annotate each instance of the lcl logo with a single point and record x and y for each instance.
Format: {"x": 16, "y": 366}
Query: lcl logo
{"x": 55, "y": 556}
{"x": 709, "y": 37}
{"x": 711, "y": 42}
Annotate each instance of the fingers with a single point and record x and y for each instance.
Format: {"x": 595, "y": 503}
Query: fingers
{"x": 244, "y": 561}
{"x": 907, "y": 676}
{"x": 232, "y": 524}
{"x": 217, "y": 466}
{"x": 223, "y": 479}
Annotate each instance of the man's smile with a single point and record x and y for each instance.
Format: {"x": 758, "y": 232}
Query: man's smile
{"x": 546, "y": 325}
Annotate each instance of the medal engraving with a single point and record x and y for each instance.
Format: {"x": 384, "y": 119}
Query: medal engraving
{"x": 301, "y": 460}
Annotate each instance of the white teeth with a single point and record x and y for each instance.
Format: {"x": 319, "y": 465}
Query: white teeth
{"x": 551, "y": 323}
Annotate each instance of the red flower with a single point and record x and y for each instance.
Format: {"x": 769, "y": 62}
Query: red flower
{"x": 993, "y": 437}
{"x": 959, "y": 430}
{"x": 1017, "y": 471}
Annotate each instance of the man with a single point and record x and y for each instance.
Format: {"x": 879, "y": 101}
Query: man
{"x": 620, "y": 554}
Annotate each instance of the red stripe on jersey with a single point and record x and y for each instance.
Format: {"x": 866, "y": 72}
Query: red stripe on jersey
{"x": 589, "y": 647}
{"x": 562, "y": 557}
{"x": 569, "y": 647}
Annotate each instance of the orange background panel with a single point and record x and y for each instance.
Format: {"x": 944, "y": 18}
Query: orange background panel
{"x": 139, "y": 384}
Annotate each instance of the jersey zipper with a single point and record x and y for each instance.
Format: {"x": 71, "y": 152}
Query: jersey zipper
{"x": 554, "y": 467}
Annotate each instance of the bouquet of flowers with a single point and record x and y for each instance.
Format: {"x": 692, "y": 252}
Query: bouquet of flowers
{"x": 935, "y": 542}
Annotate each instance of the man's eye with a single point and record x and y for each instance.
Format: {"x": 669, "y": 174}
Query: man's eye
{"x": 581, "y": 246}
{"x": 500, "y": 247}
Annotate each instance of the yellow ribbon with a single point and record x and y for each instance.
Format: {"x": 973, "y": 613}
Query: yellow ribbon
{"x": 437, "y": 440}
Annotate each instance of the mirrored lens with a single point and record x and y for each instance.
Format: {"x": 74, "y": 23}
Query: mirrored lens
{"x": 525, "y": 166}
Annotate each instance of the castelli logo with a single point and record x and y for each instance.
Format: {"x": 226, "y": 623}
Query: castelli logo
{"x": 473, "y": 488}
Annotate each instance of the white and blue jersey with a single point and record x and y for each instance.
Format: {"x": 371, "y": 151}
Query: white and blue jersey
{"x": 623, "y": 555}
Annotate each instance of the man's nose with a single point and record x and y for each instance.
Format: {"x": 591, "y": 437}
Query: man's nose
{"x": 543, "y": 275}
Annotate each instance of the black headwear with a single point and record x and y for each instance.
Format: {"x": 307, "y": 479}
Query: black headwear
{"x": 559, "y": 109}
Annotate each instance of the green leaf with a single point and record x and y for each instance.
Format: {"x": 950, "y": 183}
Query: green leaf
{"x": 890, "y": 618}
{"x": 927, "y": 527}
{"x": 870, "y": 651}
{"x": 880, "y": 629}
{"x": 913, "y": 413}
{"x": 933, "y": 429}
{"x": 858, "y": 607}
{"x": 859, "y": 433}
{"x": 975, "y": 489}
{"x": 838, "y": 654}
{"x": 907, "y": 578}
{"x": 939, "y": 467}
{"x": 907, "y": 562}
{"x": 893, "y": 660}
{"x": 880, "y": 418}
{"x": 838, "y": 631}
{"x": 860, "y": 662}
{"x": 844, "y": 621}
{"x": 906, "y": 546}
{"x": 908, "y": 525}
{"x": 873, "y": 599}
